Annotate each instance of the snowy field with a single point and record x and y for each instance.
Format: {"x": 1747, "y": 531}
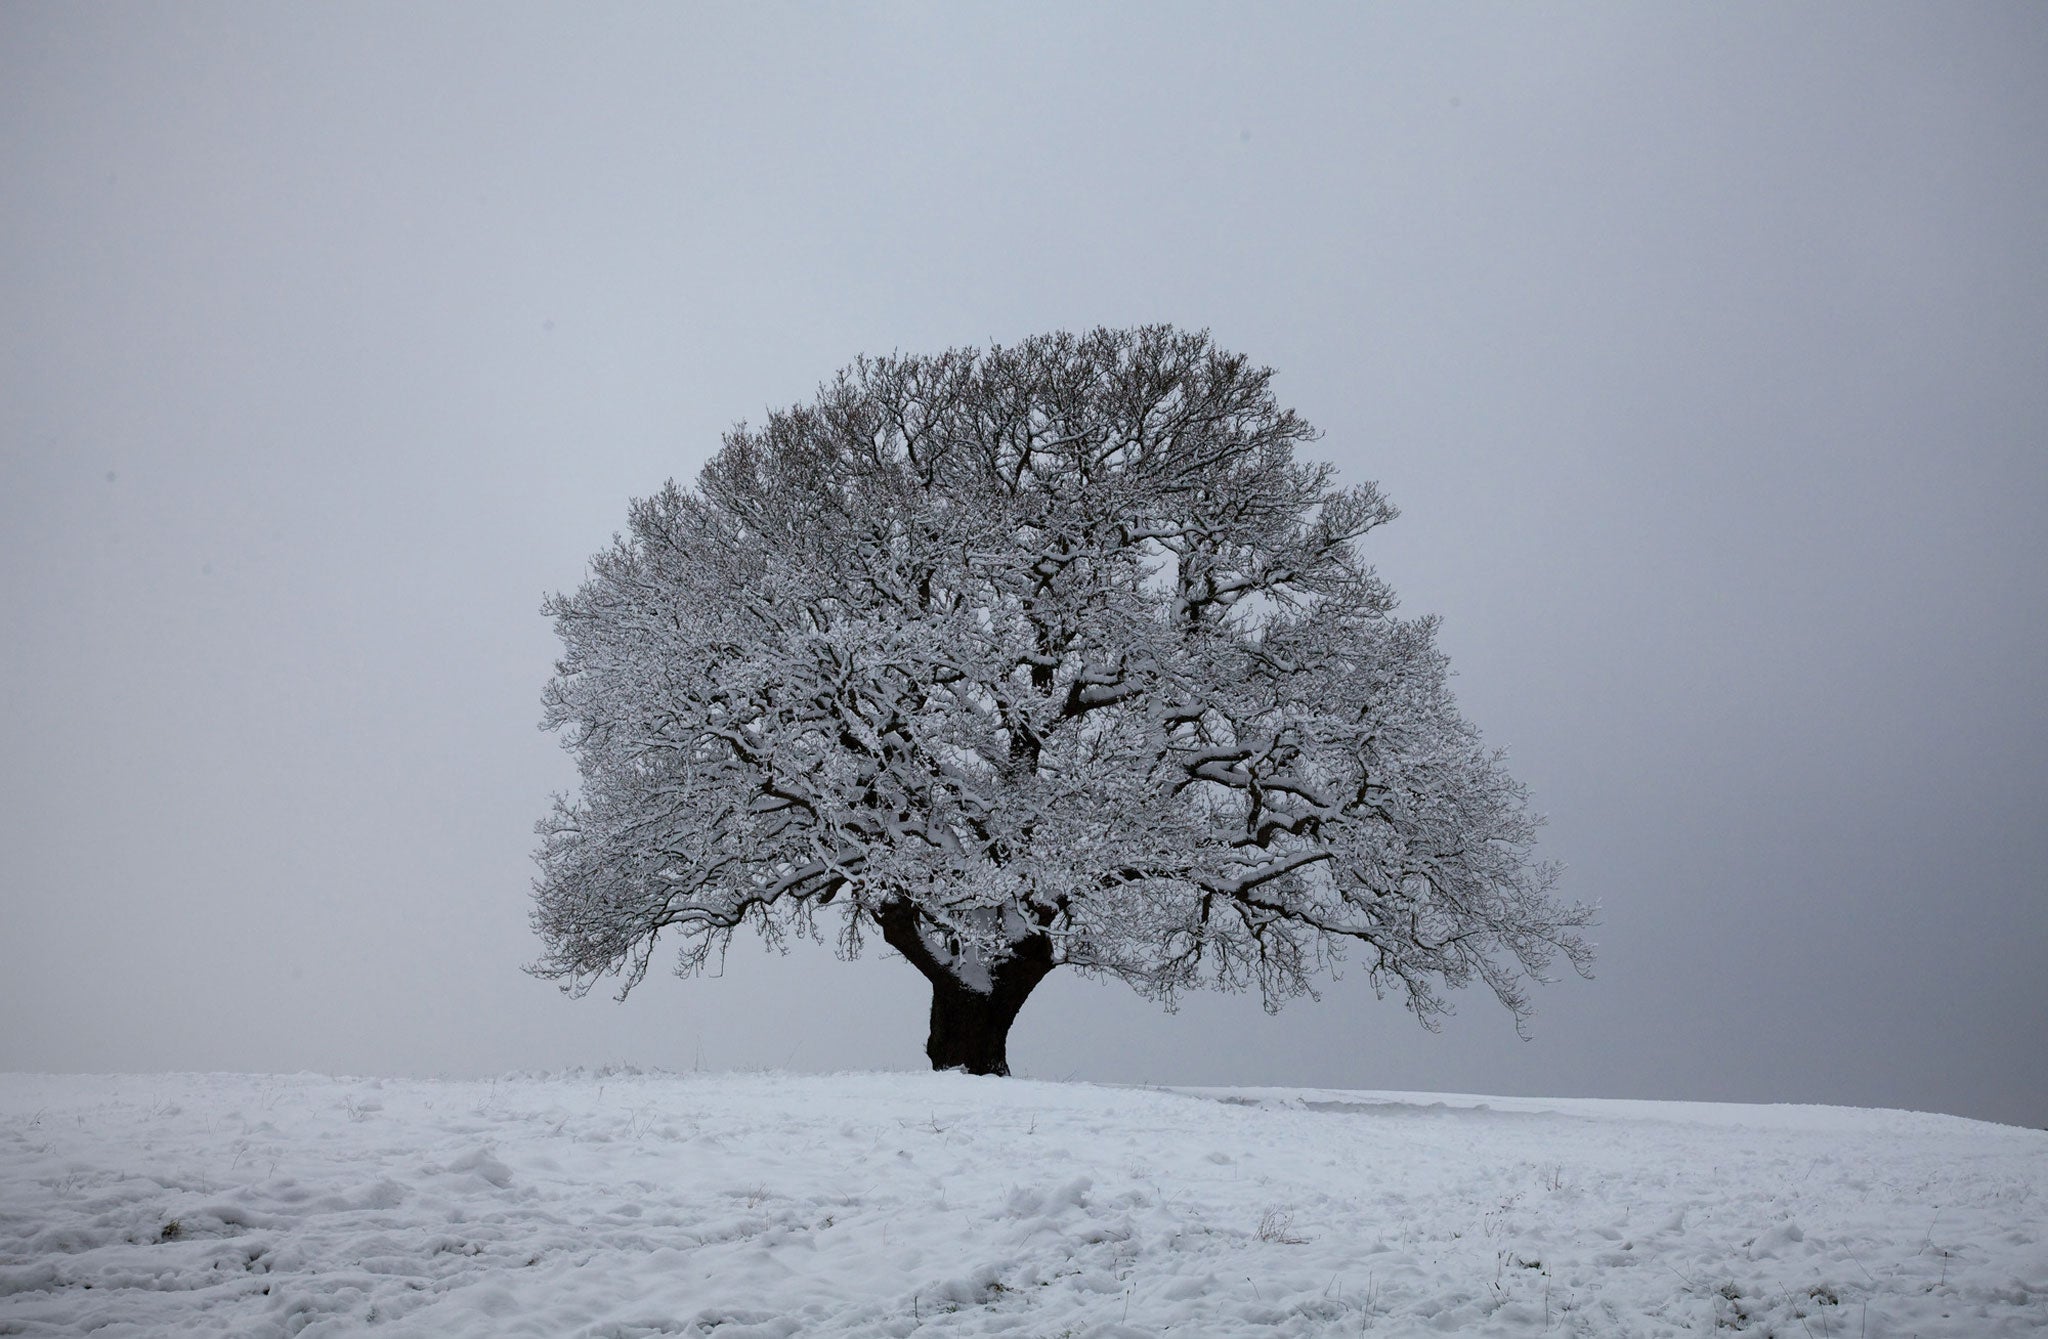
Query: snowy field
{"x": 898, "y": 1204}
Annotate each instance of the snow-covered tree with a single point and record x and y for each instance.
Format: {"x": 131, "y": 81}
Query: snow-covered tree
{"x": 1053, "y": 655}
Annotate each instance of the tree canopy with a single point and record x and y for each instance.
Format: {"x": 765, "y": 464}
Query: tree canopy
{"x": 1049, "y": 655}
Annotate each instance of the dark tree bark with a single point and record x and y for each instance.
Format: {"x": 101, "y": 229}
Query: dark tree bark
{"x": 970, "y": 1029}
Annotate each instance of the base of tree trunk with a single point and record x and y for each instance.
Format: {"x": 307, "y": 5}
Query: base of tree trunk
{"x": 970, "y": 1031}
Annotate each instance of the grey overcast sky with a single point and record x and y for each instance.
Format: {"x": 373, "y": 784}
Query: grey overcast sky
{"x": 1705, "y": 349}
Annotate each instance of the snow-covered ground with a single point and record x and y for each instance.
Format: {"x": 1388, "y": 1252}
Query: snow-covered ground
{"x": 894, "y": 1204}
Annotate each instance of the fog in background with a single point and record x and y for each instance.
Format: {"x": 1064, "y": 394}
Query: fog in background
{"x": 1704, "y": 349}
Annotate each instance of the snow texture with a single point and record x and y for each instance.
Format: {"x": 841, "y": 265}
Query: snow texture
{"x": 763, "y": 1205}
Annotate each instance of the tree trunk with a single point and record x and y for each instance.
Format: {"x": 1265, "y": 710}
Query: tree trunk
{"x": 970, "y": 1029}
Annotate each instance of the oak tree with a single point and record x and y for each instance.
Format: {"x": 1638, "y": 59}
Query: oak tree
{"x": 1053, "y": 655}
